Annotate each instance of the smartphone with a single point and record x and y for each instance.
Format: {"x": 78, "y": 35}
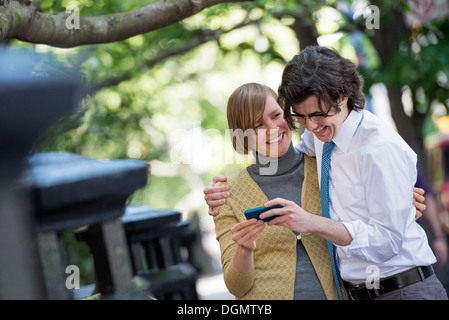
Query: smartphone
{"x": 256, "y": 212}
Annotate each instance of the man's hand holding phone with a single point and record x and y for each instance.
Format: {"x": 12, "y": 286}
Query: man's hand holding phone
{"x": 256, "y": 212}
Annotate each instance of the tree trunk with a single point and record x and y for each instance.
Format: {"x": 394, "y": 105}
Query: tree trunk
{"x": 410, "y": 128}
{"x": 304, "y": 27}
{"x": 307, "y": 35}
{"x": 386, "y": 41}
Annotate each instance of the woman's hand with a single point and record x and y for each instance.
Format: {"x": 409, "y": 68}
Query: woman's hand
{"x": 215, "y": 196}
{"x": 246, "y": 232}
{"x": 418, "y": 197}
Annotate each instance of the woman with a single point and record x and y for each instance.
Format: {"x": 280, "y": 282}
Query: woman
{"x": 279, "y": 266}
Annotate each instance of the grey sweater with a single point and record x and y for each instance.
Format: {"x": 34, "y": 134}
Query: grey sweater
{"x": 286, "y": 183}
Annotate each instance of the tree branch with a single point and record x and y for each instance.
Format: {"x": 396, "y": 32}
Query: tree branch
{"x": 24, "y": 22}
{"x": 112, "y": 81}
{"x": 204, "y": 37}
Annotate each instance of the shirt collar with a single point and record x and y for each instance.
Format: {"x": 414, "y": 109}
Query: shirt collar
{"x": 347, "y": 130}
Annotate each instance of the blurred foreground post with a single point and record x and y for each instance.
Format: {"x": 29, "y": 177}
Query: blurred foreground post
{"x": 137, "y": 251}
{"x": 29, "y": 103}
{"x": 72, "y": 191}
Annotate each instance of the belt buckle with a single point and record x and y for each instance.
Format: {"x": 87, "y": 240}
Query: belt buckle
{"x": 377, "y": 292}
{"x": 351, "y": 289}
{"x": 371, "y": 293}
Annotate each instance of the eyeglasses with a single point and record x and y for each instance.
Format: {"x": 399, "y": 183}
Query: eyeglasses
{"x": 319, "y": 118}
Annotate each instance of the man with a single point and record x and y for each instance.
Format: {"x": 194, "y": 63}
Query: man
{"x": 371, "y": 178}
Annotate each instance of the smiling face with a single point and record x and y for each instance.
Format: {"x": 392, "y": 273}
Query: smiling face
{"x": 320, "y": 72}
{"x": 328, "y": 128}
{"x": 273, "y": 136}
{"x": 256, "y": 121}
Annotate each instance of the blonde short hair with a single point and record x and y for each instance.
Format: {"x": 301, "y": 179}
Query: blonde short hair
{"x": 245, "y": 108}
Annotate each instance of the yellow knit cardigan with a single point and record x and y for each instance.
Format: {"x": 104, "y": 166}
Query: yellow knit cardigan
{"x": 275, "y": 255}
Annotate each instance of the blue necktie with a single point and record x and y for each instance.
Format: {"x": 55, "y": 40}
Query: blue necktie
{"x": 325, "y": 164}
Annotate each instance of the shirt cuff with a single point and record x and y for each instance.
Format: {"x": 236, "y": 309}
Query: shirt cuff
{"x": 359, "y": 234}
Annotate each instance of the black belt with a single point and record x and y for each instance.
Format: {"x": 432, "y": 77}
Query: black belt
{"x": 397, "y": 281}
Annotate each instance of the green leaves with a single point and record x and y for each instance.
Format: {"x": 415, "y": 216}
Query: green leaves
{"x": 148, "y": 86}
{"x": 422, "y": 65}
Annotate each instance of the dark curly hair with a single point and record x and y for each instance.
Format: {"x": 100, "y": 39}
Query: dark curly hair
{"x": 322, "y": 72}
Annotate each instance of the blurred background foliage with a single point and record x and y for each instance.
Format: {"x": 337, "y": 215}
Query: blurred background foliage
{"x": 161, "y": 96}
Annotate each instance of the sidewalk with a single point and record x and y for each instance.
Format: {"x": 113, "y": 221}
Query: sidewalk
{"x": 213, "y": 288}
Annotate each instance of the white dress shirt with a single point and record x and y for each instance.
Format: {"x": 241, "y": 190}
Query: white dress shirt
{"x": 372, "y": 175}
